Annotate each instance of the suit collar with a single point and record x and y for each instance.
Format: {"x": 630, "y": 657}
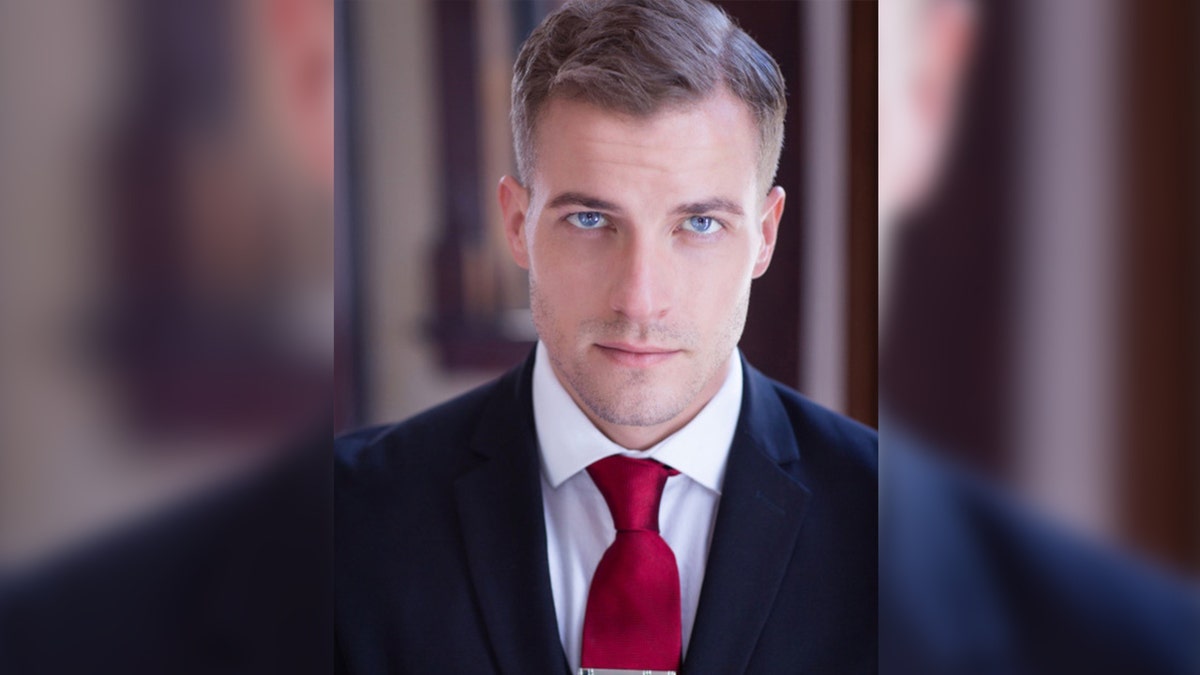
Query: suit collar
{"x": 504, "y": 534}
{"x": 763, "y": 504}
{"x": 764, "y": 421}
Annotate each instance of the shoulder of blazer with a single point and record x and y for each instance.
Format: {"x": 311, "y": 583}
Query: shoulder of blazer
{"x": 823, "y": 436}
{"x": 975, "y": 576}
{"x": 433, "y": 443}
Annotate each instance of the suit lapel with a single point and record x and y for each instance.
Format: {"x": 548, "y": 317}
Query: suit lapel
{"x": 758, "y": 523}
{"x": 504, "y": 533}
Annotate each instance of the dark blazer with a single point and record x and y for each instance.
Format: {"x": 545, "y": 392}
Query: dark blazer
{"x": 440, "y": 543}
{"x": 972, "y": 582}
{"x": 237, "y": 581}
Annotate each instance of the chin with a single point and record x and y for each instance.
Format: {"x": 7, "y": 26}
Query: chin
{"x": 634, "y": 404}
{"x": 637, "y": 416}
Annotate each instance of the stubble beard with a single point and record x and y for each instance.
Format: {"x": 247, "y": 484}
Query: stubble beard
{"x": 637, "y": 398}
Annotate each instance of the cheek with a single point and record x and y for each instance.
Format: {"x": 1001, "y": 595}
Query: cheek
{"x": 711, "y": 286}
{"x": 723, "y": 269}
{"x": 564, "y": 273}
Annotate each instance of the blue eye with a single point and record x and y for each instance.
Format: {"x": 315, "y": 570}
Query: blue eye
{"x": 587, "y": 220}
{"x": 701, "y": 224}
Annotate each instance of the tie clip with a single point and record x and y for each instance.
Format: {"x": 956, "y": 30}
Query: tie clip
{"x": 623, "y": 671}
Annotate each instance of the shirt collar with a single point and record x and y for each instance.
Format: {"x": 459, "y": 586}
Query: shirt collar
{"x": 568, "y": 441}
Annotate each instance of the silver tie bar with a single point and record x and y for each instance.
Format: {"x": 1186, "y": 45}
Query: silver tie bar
{"x": 623, "y": 671}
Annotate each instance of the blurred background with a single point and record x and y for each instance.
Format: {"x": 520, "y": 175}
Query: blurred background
{"x": 429, "y": 302}
{"x": 166, "y": 336}
{"x": 166, "y": 275}
{"x": 168, "y": 172}
{"x": 1040, "y": 322}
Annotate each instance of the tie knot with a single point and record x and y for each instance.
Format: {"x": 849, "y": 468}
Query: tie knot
{"x": 632, "y": 488}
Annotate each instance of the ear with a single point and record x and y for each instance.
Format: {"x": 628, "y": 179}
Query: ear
{"x": 514, "y": 206}
{"x": 769, "y": 222}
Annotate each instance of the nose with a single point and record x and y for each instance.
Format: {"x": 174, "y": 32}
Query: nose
{"x": 641, "y": 286}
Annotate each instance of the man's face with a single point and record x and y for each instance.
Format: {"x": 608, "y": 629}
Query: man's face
{"x": 641, "y": 237}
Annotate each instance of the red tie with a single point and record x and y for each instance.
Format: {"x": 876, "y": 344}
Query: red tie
{"x": 633, "y": 613}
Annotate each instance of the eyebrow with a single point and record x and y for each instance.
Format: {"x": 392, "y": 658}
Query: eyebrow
{"x": 586, "y": 201}
{"x": 709, "y": 205}
{"x": 690, "y": 208}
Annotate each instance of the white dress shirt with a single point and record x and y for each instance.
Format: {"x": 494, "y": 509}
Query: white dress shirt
{"x": 579, "y": 526}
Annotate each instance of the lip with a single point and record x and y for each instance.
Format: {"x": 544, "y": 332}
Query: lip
{"x": 634, "y": 355}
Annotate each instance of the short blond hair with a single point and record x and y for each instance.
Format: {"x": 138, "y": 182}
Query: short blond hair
{"x": 638, "y": 57}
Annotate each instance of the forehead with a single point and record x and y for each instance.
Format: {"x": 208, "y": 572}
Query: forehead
{"x": 712, "y": 143}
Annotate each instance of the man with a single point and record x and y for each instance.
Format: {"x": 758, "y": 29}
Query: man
{"x": 480, "y": 536}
